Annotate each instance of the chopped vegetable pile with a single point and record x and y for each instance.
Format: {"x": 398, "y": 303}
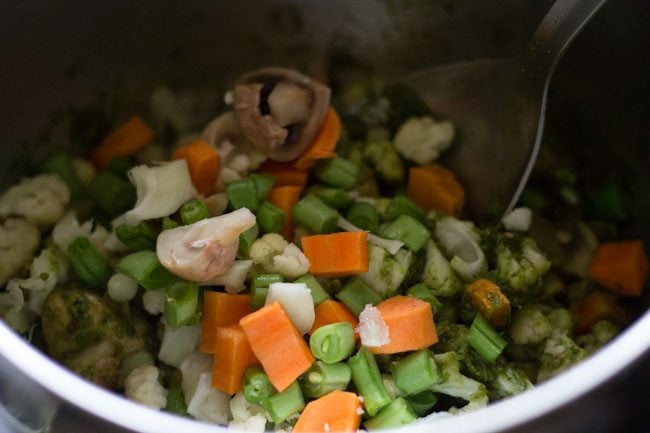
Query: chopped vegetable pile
{"x": 299, "y": 267}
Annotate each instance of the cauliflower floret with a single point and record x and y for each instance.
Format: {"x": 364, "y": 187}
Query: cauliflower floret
{"x": 275, "y": 255}
{"x": 246, "y": 416}
{"x": 518, "y": 219}
{"x": 372, "y": 329}
{"x": 509, "y": 381}
{"x": 422, "y": 139}
{"x": 521, "y": 268}
{"x": 386, "y": 272}
{"x": 456, "y": 384}
{"x": 68, "y": 229}
{"x": 560, "y": 352}
{"x": 41, "y": 199}
{"x": 601, "y": 333}
{"x": 142, "y": 386}
{"x": 529, "y": 326}
{"x": 19, "y": 239}
{"x": 192, "y": 367}
{"x": 208, "y": 403}
{"x": 561, "y": 320}
{"x": 153, "y": 301}
{"x": 438, "y": 275}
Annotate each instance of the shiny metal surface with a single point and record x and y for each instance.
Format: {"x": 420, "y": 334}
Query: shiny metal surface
{"x": 59, "y": 53}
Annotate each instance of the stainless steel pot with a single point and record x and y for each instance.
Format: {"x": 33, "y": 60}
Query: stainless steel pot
{"x": 59, "y": 53}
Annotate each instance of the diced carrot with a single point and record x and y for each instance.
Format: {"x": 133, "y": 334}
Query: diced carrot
{"x": 125, "y": 140}
{"x": 338, "y": 411}
{"x": 324, "y": 143}
{"x": 286, "y": 197}
{"x": 433, "y": 187}
{"x": 622, "y": 267}
{"x": 594, "y": 307}
{"x": 410, "y": 325}
{"x": 232, "y": 354}
{"x": 337, "y": 254}
{"x": 278, "y": 345}
{"x": 488, "y": 299}
{"x": 203, "y": 162}
{"x": 330, "y": 311}
{"x": 219, "y": 310}
{"x": 284, "y": 173}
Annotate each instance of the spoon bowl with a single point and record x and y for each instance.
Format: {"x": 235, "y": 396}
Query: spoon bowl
{"x": 499, "y": 107}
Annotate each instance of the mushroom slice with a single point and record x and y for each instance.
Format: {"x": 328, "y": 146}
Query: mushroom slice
{"x": 206, "y": 249}
{"x": 280, "y": 111}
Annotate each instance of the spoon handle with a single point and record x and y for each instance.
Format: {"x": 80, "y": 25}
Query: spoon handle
{"x": 553, "y": 36}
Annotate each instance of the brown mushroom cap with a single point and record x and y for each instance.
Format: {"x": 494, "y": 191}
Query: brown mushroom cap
{"x": 280, "y": 111}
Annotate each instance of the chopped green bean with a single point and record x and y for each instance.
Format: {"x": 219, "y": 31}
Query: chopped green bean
{"x": 194, "y": 211}
{"x": 176, "y": 401}
{"x": 485, "y": 340}
{"x": 88, "y": 263}
{"x": 424, "y": 293}
{"x": 356, "y": 294}
{"x": 402, "y": 205}
{"x": 367, "y": 379}
{"x": 422, "y": 402}
{"x": 181, "y": 303}
{"x": 333, "y": 197}
{"x": 364, "y": 216}
{"x": 144, "y": 267}
{"x": 113, "y": 194}
{"x": 332, "y": 343}
{"x": 312, "y": 213}
{"x": 395, "y": 414}
{"x": 168, "y": 223}
{"x": 263, "y": 185}
{"x": 270, "y": 218}
{"x": 256, "y": 385}
{"x": 243, "y": 193}
{"x": 139, "y": 237}
{"x": 408, "y": 230}
{"x": 415, "y": 373}
{"x": 322, "y": 378}
{"x": 260, "y": 288}
{"x": 61, "y": 165}
{"x": 337, "y": 172}
{"x": 282, "y": 405}
{"x": 247, "y": 238}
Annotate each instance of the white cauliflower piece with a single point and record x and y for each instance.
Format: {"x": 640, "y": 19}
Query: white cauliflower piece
{"x": 208, "y": 403}
{"x": 275, "y": 255}
{"x": 178, "y": 343}
{"x": 19, "y": 240}
{"x": 246, "y": 416}
{"x": 560, "y": 353}
{"x": 121, "y": 288}
{"x": 521, "y": 269}
{"x": 529, "y": 326}
{"x": 46, "y": 271}
{"x": 372, "y": 328}
{"x": 69, "y": 229}
{"x": 297, "y": 302}
{"x": 518, "y": 219}
{"x": 192, "y": 367}
{"x": 142, "y": 386}
{"x": 42, "y": 200}
{"x": 422, "y": 139}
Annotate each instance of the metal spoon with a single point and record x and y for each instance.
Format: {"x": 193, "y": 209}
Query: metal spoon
{"x": 498, "y": 107}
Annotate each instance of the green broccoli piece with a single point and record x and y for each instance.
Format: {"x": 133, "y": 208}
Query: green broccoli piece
{"x": 560, "y": 320}
{"x": 559, "y": 353}
{"x": 520, "y": 265}
{"x": 381, "y": 156}
{"x": 529, "y": 326}
{"x": 438, "y": 275}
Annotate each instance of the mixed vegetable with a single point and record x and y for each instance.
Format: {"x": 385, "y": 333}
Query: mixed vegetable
{"x": 296, "y": 267}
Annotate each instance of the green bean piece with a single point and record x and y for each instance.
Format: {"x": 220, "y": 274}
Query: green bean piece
{"x": 263, "y": 185}
{"x": 144, "y": 267}
{"x": 181, "y": 303}
{"x": 247, "y": 238}
{"x": 367, "y": 379}
{"x": 395, "y": 414}
{"x": 139, "y": 237}
{"x": 119, "y": 166}
{"x": 485, "y": 340}
{"x": 408, "y": 230}
{"x": 364, "y": 216}
{"x": 356, "y": 294}
{"x": 193, "y": 211}
{"x": 323, "y": 378}
{"x": 424, "y": 293}
{"x": 333, "y": 343}
{"x": 243, "y": 193}
{"x": 168, "y": 223}
{"x": 312, "y": 213}
{"x": 111, "y": 193}
{"x": 256, "y": 385}
{"x": 318, "y": 294}
{"x": 402, "y": 205}
{"x": 258, "y": 297}
{"x": 422, "y": 402}
{"x": 282, "y": 405}
{"x": 337, "y": 172}
{"x": 333, "y": 197}
{"x": 260, "y": 288}
{"x": 270, "y": 218}
{"x": 88, "y": 263}
{"x": 415, "y": 373}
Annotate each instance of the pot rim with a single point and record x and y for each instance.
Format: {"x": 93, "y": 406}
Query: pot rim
{"x": 508, "y": 413}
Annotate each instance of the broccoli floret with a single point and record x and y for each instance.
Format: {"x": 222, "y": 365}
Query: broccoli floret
{"x": 601, "y": 333}
{"x": 386, "y": 272}
{"x": 560, "y": 352}
{"x": 458, "y": 385}
{"x": 560, "y": 320}
{"x": 422, "y": 139}
{"x": 384, "y": 160}
{"x": 438, "y": 275}
{"x": 520, "y": 265}
{"x": 529, "y": 326}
